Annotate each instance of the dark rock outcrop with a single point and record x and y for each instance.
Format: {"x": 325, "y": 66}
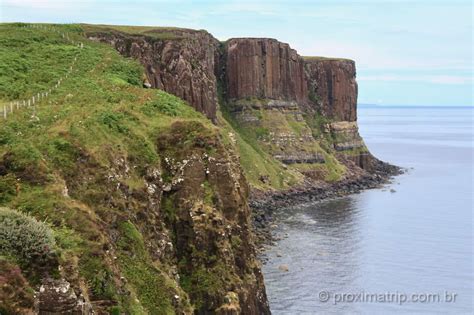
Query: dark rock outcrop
{"x": 58, "y": 297}
{"x": 310, "y": 158}
{"x": 265, "y": 68}
{"x": 179, "y": 61}
{"x": 270, "y": 88}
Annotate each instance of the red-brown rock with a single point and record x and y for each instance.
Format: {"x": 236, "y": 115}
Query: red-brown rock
{"x": 264, "y": 68}
{"x": 333, "y": 87}
{"x": 180, "y": 61}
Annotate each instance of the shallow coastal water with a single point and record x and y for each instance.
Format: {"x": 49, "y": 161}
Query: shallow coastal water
{"x": 404, "y": 248}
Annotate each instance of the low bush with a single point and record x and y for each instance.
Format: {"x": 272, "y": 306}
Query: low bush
{"x": 24, "y": 238}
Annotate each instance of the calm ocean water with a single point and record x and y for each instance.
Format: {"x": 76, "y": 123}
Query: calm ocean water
{"x": 408, "y": 251}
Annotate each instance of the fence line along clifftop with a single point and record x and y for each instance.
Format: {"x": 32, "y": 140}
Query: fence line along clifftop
{"x": 7, "y": 109}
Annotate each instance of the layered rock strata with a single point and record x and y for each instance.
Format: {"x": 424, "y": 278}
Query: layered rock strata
{"x": 333, "y": 93}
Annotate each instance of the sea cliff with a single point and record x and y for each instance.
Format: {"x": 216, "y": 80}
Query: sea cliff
{"x": 146, "y": 161}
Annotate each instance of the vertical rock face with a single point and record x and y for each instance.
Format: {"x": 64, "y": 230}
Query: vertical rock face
{"x": 266, "y": 88}
{"x": 333, "y": 87}
{"x": 214, "y": 242}
{"x": 269, "y": 86}
{"x": 181, "y": 62}
{"x": 264, "y": 68}
{"x": 268, "y": 69}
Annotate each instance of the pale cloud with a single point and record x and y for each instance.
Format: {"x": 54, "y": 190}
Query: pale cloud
{"x": 373, "y": 57}
{"x": 438, "y": 79}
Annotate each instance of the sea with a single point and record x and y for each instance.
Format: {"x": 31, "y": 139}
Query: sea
{"x": 406, "y": 247}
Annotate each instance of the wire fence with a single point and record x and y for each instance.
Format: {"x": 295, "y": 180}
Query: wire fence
{"x": 6, "y": 110}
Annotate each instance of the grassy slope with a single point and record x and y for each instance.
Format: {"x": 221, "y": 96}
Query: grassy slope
{"x": 260, "y": 149}
{"x": 255, "y": 160}
{"x": 100, "y": 112}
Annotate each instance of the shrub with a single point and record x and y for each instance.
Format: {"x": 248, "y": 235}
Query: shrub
{"x": 25, "y": 238}
{"x": 126, "y": 71}
{"x": 114, "y": 121}
{"x": 168, "y": 107}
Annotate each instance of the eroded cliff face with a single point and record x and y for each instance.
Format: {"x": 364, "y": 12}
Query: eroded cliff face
{"x": 264, "y": 68}
{"x": 210, "y": 223}
{"x": 266, "y": 91}
{"x": 332, "y": 87}
{"x": 272, "y": 90}
{"x": 178, "y": 61}
{"x": 169, "y": 237}
{"x": 333, "y": 93}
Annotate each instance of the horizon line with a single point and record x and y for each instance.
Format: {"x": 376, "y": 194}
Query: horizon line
{"x": 412, "y": 105}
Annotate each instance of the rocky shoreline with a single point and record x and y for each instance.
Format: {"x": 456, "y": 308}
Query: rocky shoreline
{"x": 263, "y": 204}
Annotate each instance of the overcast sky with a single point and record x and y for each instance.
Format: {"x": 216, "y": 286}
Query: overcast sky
{"x": 407, "y": 52}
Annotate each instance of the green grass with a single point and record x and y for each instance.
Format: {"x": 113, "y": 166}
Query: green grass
{"x": 153, "y": 289}
{"x": 30, "y": 59}
{"x": 356, "y": 151}
{"x": 254, "y": 159}
{"x": 256, "y": 151}
{"x": 205, "y": 282}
